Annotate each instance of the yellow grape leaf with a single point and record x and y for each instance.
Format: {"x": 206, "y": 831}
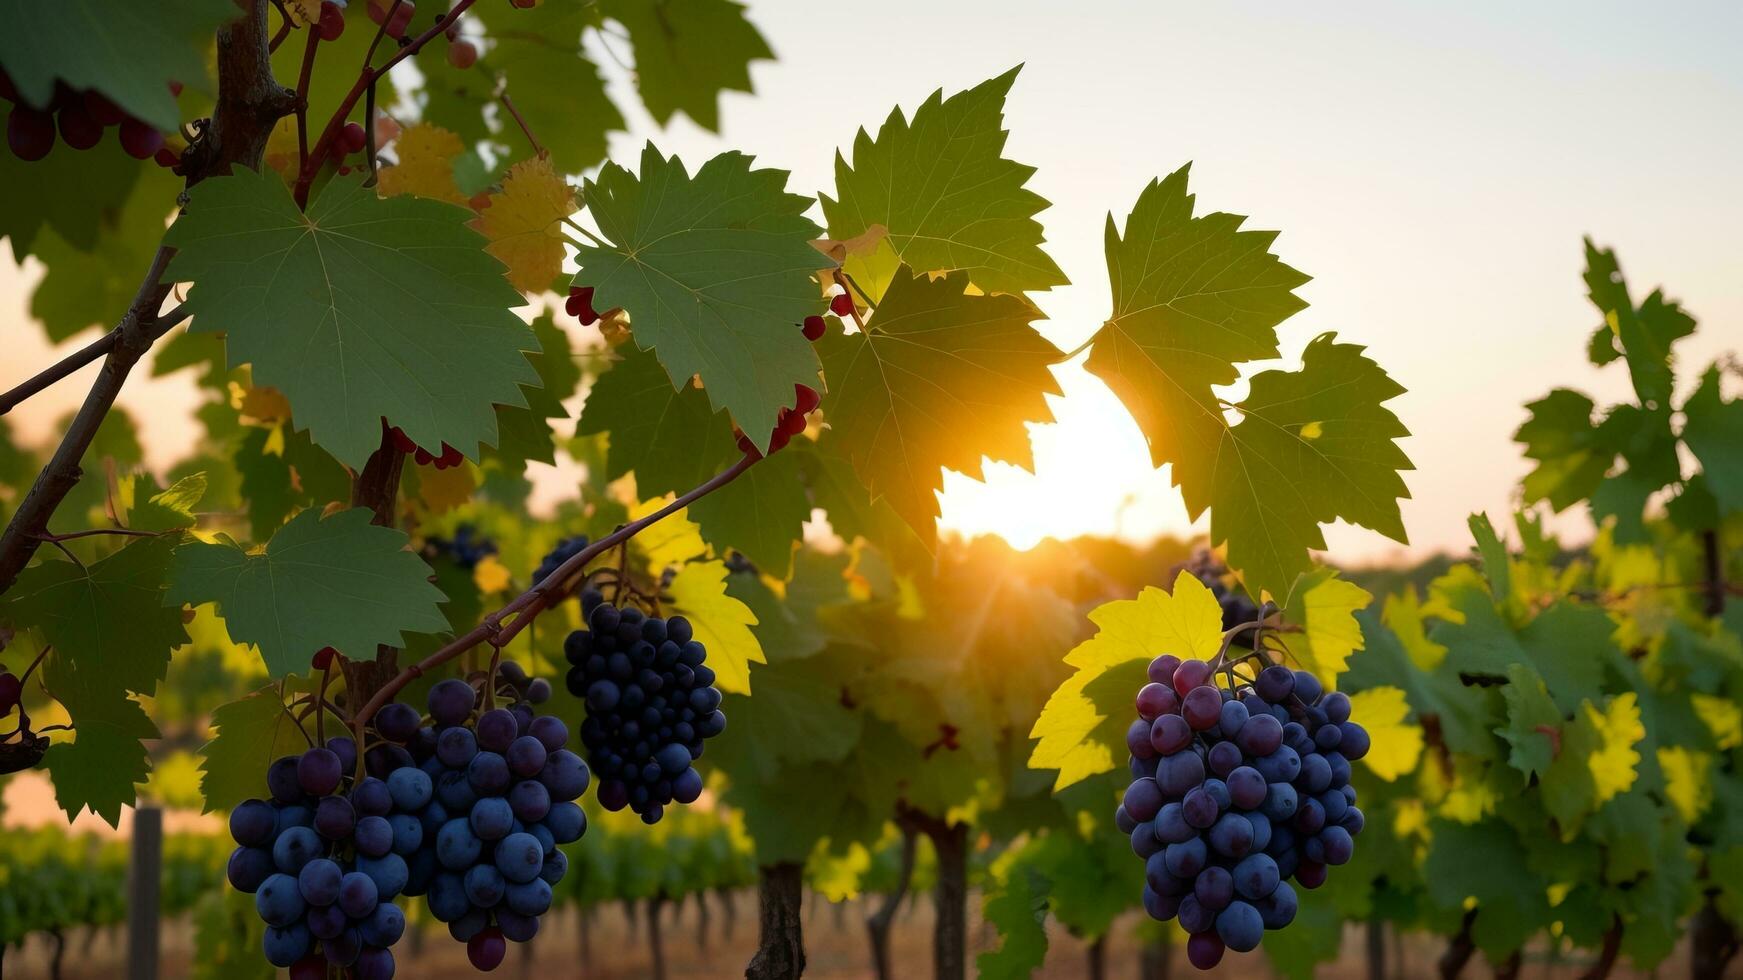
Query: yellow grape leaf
{"x": 1332, "y": 634}
{"x": 1405, "y": 615}
{"x": 1471, "y": 797}
{"x": 1082, "y": 729}
{"x": 490, "y": 575}
{"x": 1688, "y": 780}
{"x": 303, "y": 12}
{"x": 1722, "y": 716}
{"x": 443, "y": 490}
{"x": 264, "y": 403}
{"x": 1445, "y": 591}
{"x": 175, "y": 781}
{"x": 426, "y": 165}
{"x": 1614, "y": 762}
{"x": 671, "y": 541}
{"x": 722, "y": 623}
{"x": 1397, "y": 743}
{"x": 523, "y": 223}
{"x": 862, "y": 244}
{"x": 837, "y": 876}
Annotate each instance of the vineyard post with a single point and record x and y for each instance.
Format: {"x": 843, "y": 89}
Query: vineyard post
{"x": 1376, "y": 948}
{"x": 1713, "y": 941}
{"x": 780, "y": 951}
{"x": 950, "y": 931}
{"x": 1097, "y": 954}
{"x": 144, "y": 878}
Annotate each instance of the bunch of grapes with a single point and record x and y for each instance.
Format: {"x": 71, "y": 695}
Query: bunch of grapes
{"x": 1233, "y": 794}
{"x": 502, "y": 799}
{"x": 324, "y": 858}
{"x": 467, "y": 547}
{"x": 82, "y": 117}
{"x": 565, "y": 550}
{"x": 651, "y": 702}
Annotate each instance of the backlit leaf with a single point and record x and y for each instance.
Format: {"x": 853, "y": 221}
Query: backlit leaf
{"x": 722, "y": 623}
{"x": 425, "y": 166}
{"x": 523, "y": 223}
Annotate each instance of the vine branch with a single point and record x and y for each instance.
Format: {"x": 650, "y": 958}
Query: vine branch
{"x": 69, "y": 365}
{"x": 525, "y": 607}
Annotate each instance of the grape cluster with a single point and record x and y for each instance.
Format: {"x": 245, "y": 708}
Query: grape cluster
{"x": 651, "y": 702}
{"x": 565, "y": 550}
{"x": 503, "y": 787}
{"x": 82, "y": 117}
{"x": 324, "y": 858}
{"x": 1233, "y": 794}
{"x": 467, "y": 547}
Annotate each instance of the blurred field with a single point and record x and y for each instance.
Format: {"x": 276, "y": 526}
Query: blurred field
{"x": 835, "y": 945}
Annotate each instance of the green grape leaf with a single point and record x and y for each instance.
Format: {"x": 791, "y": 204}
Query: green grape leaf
{"x": 855, "y": 513}
{"x": 1494, "y": 555}
{"x": 248, "y": 734}
{"x": 93, "y": 286}
{"x": 228, "y": 938}
{"x": 1644, "y": 334}
{"x": 1713, "y": 431}
{"x": 1486, "y": 862}
{"x": 940, "y": 378}
{"x": 668, "y": 436}
{"x": 1533, "y": 721}
{"x": 715, "y": 272}
{"x": 1018, "y": 910}
{"x": 106, "y": 620}
{"x": 100, "y": 766}
{"x": 130, "y": 52}
{"x": 1570, "y": 645}
{"x": 340, "y": 582}
{"x": 160, "y": 510}
{"x": 278, "y": 479}
{"x": 1192, "y": 298}
{"x": 1313, "y": 446}
{"x": 73, "y": 193}
{"x": 535, "y": 55}
{"x": 687, "y": 54}
{"x": 796, "y": 716}
{"x": 1571, "y": 456}
{"x": 301, "y": 297}
{"x": 1315, "y": 936}
{"x": 526, "y": 432}
{"x": 945, "y": 195}
{"x": 761, "y": 514}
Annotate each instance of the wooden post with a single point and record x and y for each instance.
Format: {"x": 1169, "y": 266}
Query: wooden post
{"x": 144, "y": 872}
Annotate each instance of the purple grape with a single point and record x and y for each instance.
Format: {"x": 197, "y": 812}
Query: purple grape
{"x": 253, "y": 823}
{"x": 1233, "y": 715}
{"x": 345, "y": 748}
{"x": 1214, "y": 888}
{"x": 1337, "y": 845}
{"x": 1315, "y": 774}
{"x": 1223, "y": 758}
{"x": 1277, "y": 909}
{"x": 1170, "y": 734}
{"x": 1202, "y": 707}
{"x": 1189, "y": 675}
{"x": 1246, "y": 787}
{"x": 1256, "y": 876}
{"x": 318, "y": 881}
{"x": 530, "y": 801}
{"x": 1160, "y": 907}
{"x": 551, "y": 732}
{"x": 371, "y": 798}
{"x": 1199, "y": 809}
{"x": 456, "y": 747}
{"x": 1260, "y": 736}
{"x": 516, "y": 927}
{"x": 397, "y": 722}
{"x": 526, "y": 756}
{"x": 1144, "y": 842}
{"x": 1275, "y": 683}
{"x": 1123, "y": 820}
{"x": 1354, "y": 743}
{"x": 1179, "y": 773}
{"x": 451, "y": 701}
{"x": 1138, "y": 740}
{"x": 1307, "y": 687}
{"x": 1353, "y": 821}
{"x": 1185, "y": 859}
{"x": 1240, "y": 927}
{"x": 373, "y": 963}
{"x": 1162, "y": 669}
{"x": 281, "y": 780}
{"x": 687, "y": 787}
{"x": 1155, "y": 700}
{"x": 520, "y": 857}
{"x": 1171, "y": 826}
{"x": 249, "y": 867}
{"x": 1336, "y": 706}
{"x": 1143, "y": 799}
{"x": 1231, "y": 835}
{"x": 1193, "y": 916}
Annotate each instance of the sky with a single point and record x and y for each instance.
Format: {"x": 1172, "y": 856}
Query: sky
{"x": 1432, "y": 166}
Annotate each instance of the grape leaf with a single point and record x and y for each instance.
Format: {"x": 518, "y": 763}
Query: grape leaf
{"x": 130, "y": 52}
{"x": 1713, "y": 431}
{"x": 302, "y": 298}
{"x": 525, "y": 433}
{"x": 143, "y": 507}
{"x": 248, "y": 735}
{"x": 722, "y": 623}
{"x": 715, "y": 271}
{"x": 940, "y": 378}
{"x": 1018, "y": 910}
{"x": 687, "y": 53}
{"x": 106, "y": 620}
{"x": 1397, "y": 743}
{"x": 1313, "y": 446}
{"x": 93, "y": 286}
{"x": 761, "y": 514}
{"x": 945, "y": 194}
{"x": 1571, "y": 455}
{"x": 1330, "y": 633}
{"x": 668, "y": 436}
{"x": 424, "y": 165}
{"x": 1597, "y": 761}
{"x": 100, "y": 766}
{"x": 1644, "y": 334}
{"x": 340, "y": 582}
{"x": 71, "y": 192}
{"x": 1493, "y": 553}
{"x": 1569, "y": 645}
{"x": 1082, "y": 730}
{"x": 797, "y": 716}
{"x": 854, "y": 513}
{"x": 1533, "y": 721}
{"x": 535, "y": 55}
{"x": 523, "y": 223}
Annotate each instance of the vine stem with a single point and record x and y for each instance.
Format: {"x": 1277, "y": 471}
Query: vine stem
{"x": 306, "y": 177}
{"x": 535, "y": 600}
{"x": 308, "y": 69}
{"x": 70, "y": 364}
{"x": 508, "y": 103}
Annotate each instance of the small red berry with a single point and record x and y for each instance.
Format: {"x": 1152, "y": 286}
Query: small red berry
{"x": 175, "y": 89}
{"x": 778, "y": 440}
{"x": 462, "y": 54}
{"x": 352, "y": 138}
{"x": 332, "y": 23}
{"x": 78, "y": 129}
{"x": 808, "y": 399}
{"x": 450, "y": 457}
{"x": 378, "y": 10}
{"x": 29, "y": 132}
{"x": 401, "y": 441}
{"x": 140, "y": 140}
{"x": 402, "y": 19}
{"x": 323, "y": 658}
{"x": 792, "y": 423}
{"x": 841, "y": 305}
{"x": 747, "y": 447}
{"x": 814, "y": 328}
{"x": 423, "y": 456}
{"x": 580, "y": 304}
{"x": 167, "y": 158}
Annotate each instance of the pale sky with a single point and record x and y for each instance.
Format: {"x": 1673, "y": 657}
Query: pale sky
{"x": 1432, "y": 166}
